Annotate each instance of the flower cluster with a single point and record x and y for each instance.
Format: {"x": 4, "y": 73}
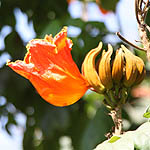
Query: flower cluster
{"x": 49, "y": 66}
{"x": 114, "y": 72}
{"x": 125, "y": 69}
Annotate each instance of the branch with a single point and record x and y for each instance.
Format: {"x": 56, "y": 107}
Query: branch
{"x": 137, "y": 8}
{"x": 117, "y": 119}
{"x": 141, "y": 13}
{"x": 145, "y": 10}
{"x": 128, "y": 42}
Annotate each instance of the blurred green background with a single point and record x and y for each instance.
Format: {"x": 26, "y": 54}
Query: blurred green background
{"x": 84, "y": 124}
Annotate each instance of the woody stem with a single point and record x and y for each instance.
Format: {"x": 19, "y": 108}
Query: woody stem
{"x": 142, "y": 26}
{"x": 117, "y": 119}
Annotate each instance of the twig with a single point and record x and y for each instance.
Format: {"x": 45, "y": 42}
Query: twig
{"x": 147, "y": 27}
{"x": 137, "y": 8}
{"x": 128, "y": 42}
{"x": 138, "y": 41}
{"x": 145, "y": 10}
{"x": 140, "y": 4}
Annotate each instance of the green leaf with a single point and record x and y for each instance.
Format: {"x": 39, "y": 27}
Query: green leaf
{"x": 114, "y": 139}
{"x": 147, "y": 113}
{"x": 14, "y": 45}
{"x": 28, "y": 143}
{"x": 147, "y": 18}
{"x": 109, "y": 4}
{"x": 52, "y": 28}
{"x": 75, "y": 22}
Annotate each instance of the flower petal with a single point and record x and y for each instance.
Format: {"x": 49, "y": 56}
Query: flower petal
{"x": 43, "y": 53}
{"x": 22, "y": 68}
{"x": 57, "y": 91}
{"x": 62, "y": 42}
{"x": 53, "y": 84}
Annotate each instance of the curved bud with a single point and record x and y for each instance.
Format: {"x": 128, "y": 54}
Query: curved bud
{"x": 97, "y": 63}
{"x": 89, "y": 70}
{"x": 130, "y": 67}
{"x": 118, "y": 64}
{"x": 105, "y": 68}
{"x": 141, "y": 70}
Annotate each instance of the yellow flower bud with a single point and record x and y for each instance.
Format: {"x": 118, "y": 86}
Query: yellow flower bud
{"x": 141, "y": 70}
{"x": 130, "y": 67}
{"x": 105, "y": 68}
{"x": 89, "y": 70}
{"x": 117, "y": 68}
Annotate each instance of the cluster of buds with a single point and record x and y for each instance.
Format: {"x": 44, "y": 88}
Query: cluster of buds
{"x": 113, "y": 74}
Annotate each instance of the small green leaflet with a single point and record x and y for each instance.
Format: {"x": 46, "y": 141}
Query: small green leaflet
{"x": 114, "y": 139}
{"x": 147, "y": 113}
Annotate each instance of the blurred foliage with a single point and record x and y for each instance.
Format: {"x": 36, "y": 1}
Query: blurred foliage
{"x": 85, "y": 122}
{"x": 111, "y": 6}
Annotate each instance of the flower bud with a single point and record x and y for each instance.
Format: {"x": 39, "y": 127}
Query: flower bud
{"x": 105, "y": 68}
{"x": 134, "y": 68}
{"x": 130, "y": 68}
{"x": 141, "y": 70}
{"x": 89, "y": 70}
{"x": 117, "y": 68}
{"x": 112, "y": 76}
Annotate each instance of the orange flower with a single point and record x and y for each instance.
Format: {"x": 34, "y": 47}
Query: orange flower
{"x": 103, "y": 11}
{"x": 49, "y": 66}
{"x": 70, "y": 1}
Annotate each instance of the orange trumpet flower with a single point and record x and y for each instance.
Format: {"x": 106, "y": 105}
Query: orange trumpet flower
{"x": 103, "y": 11}
{"x": 49, "y": 66}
